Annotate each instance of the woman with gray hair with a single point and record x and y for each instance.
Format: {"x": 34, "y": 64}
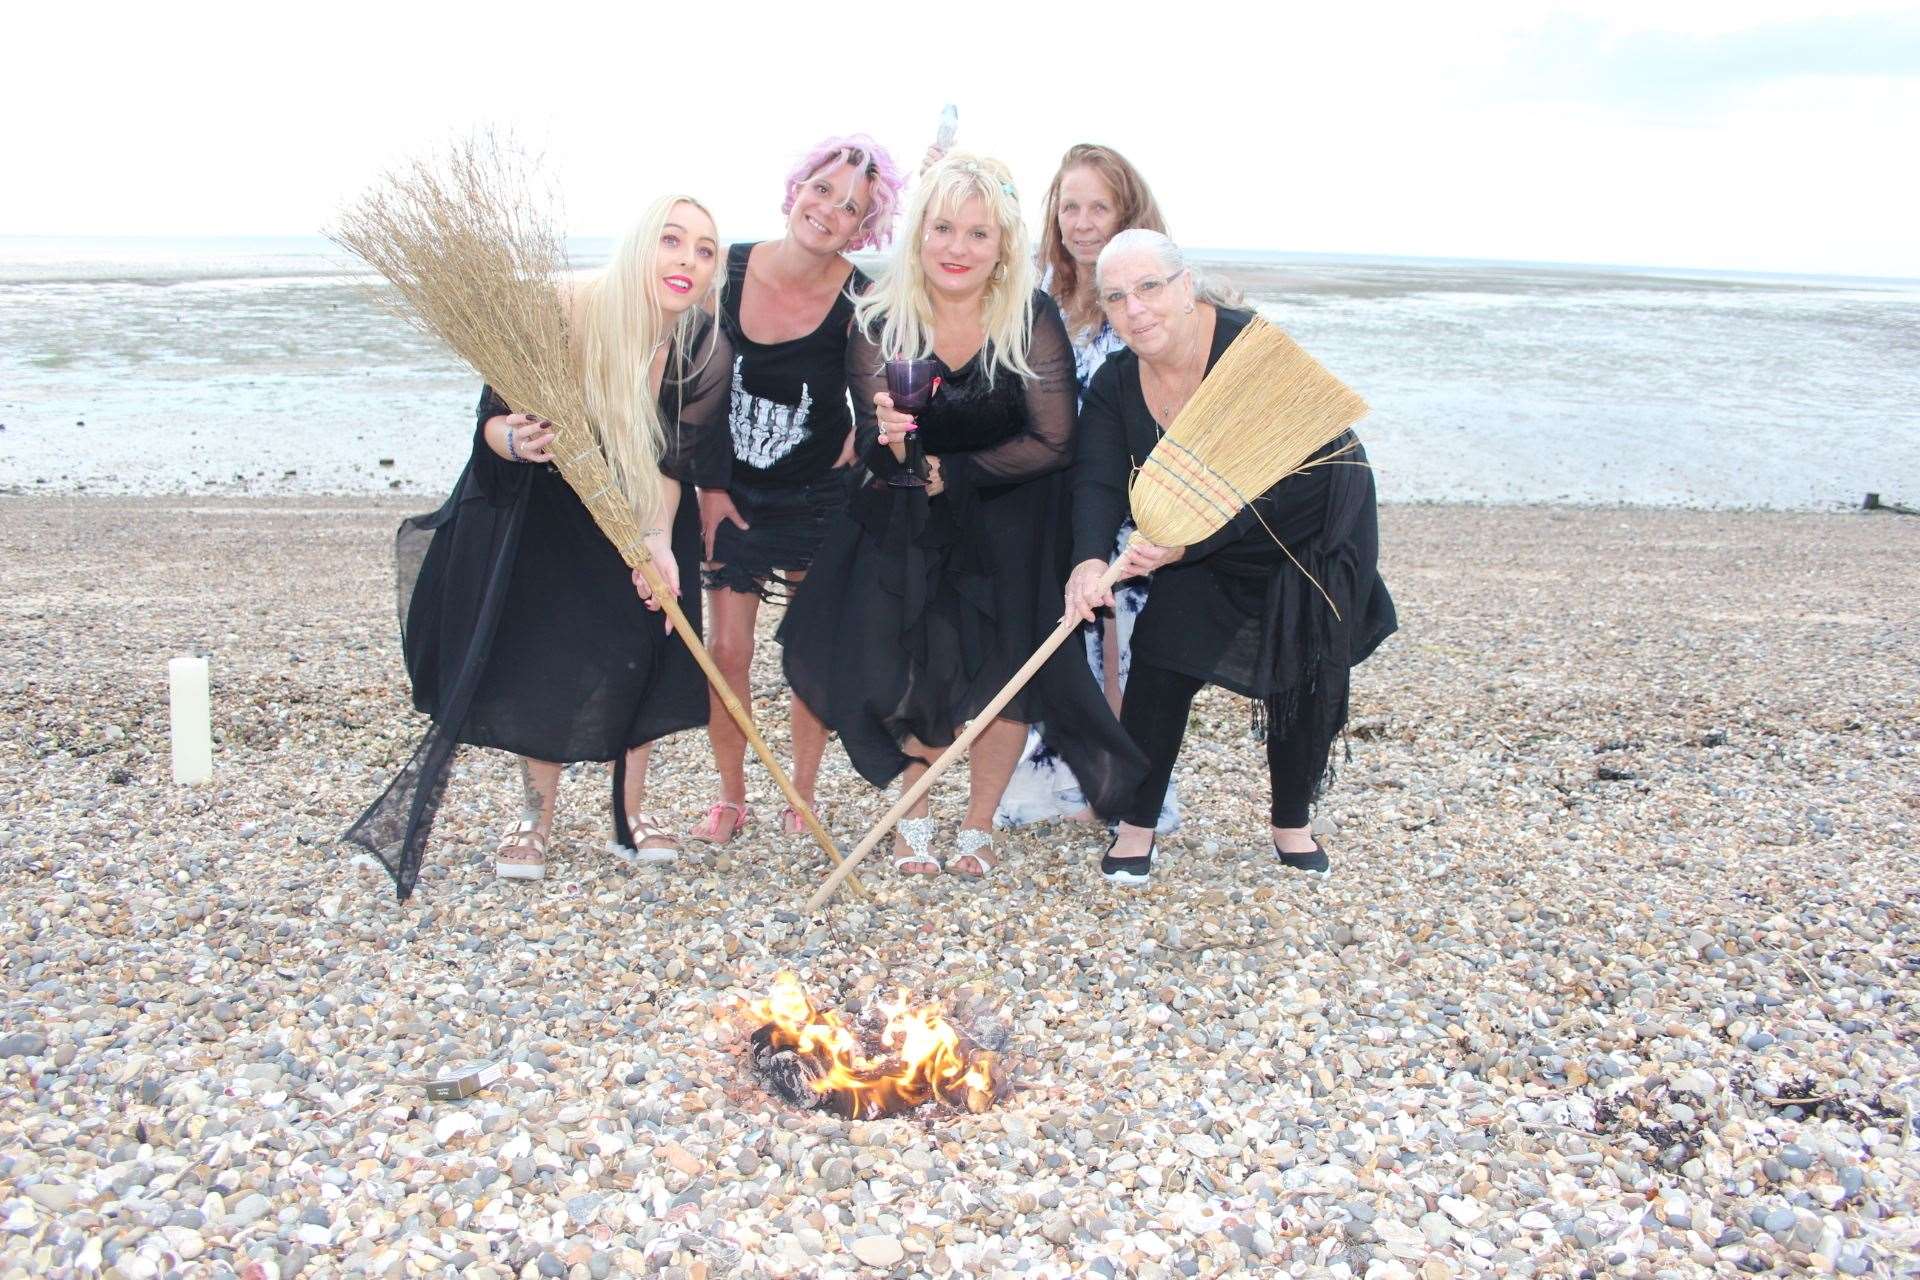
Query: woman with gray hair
{"x": 1239, "y": 609}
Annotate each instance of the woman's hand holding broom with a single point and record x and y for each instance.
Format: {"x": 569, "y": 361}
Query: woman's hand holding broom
{"x": 1089, "y": 587}
{"x": 520, "y": 437}
{"x": 659, "y": 545}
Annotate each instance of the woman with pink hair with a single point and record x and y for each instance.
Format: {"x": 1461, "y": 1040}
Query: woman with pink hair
{"x": 788, "y": 310}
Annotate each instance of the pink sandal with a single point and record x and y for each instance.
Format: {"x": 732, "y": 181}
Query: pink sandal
{"x": 707, "y": 830}
{"x": 791, "y": 823}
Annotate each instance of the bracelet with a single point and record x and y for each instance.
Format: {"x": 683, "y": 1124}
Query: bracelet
{"x": 511, "y": 451}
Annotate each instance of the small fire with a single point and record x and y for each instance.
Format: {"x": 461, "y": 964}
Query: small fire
{"x": 814, "y": 1059}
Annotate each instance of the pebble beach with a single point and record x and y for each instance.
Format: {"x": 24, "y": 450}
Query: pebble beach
{"x": 1616, "y": 973}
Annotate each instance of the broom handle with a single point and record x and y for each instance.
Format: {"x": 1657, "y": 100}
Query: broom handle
{"x": 740, "y": 717}
{"x": 975, "y": 727}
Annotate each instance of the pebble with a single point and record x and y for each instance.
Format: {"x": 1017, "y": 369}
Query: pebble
{"x": 878, "y": 1251}
{"x": 23, "y": 1044}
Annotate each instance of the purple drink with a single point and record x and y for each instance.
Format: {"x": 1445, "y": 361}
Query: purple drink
{"x": 911, "y": 384}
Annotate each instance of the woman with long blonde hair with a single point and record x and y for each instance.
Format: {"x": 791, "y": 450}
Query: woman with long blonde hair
{"x": 524, "y": 630}
{"x": 923, "y": 601}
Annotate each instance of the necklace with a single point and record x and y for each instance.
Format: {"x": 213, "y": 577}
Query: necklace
{"x": 1165, "y": 400}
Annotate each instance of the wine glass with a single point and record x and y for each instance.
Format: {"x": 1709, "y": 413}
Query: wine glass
{"x": 912, "y": 383}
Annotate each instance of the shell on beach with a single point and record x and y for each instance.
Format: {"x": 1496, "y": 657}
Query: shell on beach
{"x": 1615, "y": 973}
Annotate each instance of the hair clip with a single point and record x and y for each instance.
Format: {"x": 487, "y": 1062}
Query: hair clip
{"x": 1006, "y": 188}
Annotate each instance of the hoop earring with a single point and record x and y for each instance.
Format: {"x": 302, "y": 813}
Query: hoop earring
{"x": 1189, "y": 310}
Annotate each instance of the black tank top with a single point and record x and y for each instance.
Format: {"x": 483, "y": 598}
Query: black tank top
{"x": 789, "y": 412}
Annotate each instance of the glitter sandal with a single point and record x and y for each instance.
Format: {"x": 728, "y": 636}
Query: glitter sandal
{"x": 917, "y": 835}
{"x": 977, "y": 845}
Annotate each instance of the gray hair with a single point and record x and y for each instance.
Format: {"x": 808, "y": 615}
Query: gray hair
{"x": 1172, "y": 263}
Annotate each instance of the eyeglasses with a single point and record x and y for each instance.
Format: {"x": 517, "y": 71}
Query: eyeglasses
{"x": 1148, "y": 291}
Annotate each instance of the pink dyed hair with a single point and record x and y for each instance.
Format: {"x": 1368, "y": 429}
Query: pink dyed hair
{"x": 884, "y": 184}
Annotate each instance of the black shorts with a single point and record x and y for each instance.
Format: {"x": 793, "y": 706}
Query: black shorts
{"x": 785, "y": 525}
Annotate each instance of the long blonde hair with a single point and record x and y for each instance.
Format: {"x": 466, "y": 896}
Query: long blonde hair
{"x": 899, "y": 302}
{"x": 622, "y": 326}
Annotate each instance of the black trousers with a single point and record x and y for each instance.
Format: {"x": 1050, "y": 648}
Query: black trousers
{"x": 1154, "y": 712}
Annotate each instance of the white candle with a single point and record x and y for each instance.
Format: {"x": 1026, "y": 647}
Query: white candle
{"x": 192, "y": 720}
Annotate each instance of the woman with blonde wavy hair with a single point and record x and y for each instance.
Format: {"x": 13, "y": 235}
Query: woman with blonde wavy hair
{"x": 924, "y": 601}
{"x": 524, "y": 630}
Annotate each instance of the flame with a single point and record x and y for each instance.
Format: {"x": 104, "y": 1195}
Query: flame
{"x": 923, "y": 1056}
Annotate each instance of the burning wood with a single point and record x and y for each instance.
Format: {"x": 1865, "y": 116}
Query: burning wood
{"x": 906, "y": 1058}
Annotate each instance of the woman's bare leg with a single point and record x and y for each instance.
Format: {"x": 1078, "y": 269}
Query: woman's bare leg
{"x": 996, "y": 752}
{"x": 539, "y": 789}
{"x": 809, "y": 739}
{"x": 730, "y": 619}
{"x": 522, "y": 851}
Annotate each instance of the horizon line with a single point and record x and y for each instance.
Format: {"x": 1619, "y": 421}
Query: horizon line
{"x": 1197, "y": 252}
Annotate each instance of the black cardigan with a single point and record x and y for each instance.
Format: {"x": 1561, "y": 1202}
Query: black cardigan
{"x": 1237, "y": 610}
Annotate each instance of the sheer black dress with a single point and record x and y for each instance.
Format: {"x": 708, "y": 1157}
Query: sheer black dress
{"x": 918, "y": 610}
{"x": 520, "y": 625}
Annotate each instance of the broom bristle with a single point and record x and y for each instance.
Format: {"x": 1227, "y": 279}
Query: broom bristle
{"x": 477, "y": 260}
{"x": 1265, "y": 409}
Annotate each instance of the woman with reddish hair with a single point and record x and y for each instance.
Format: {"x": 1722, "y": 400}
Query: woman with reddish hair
{"x": 787, "y": 309}
{"x": 1096, "y": 193}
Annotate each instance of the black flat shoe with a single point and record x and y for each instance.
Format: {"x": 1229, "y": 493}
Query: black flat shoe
{"x": 1128, "y": 871}
{"x": 1314, "y": 863}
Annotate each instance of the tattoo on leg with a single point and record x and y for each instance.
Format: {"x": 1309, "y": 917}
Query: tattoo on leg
{"x": 533, "y": 801}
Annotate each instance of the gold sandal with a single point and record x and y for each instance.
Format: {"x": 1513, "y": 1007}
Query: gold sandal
{"x": 646, "y": 827}
{"x": 522, "y": 853}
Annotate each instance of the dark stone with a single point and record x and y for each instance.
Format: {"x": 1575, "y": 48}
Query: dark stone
{"x": 23, "y": 1044}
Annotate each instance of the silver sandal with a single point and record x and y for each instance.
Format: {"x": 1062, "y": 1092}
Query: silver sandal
{"x": 977, "y": 845}
{"x": 917, "y": 834}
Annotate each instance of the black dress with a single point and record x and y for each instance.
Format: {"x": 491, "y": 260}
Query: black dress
{"x": 520, "y": 625}
{"x": 1236, "y": 610}
{"x": 788, "y": 418}
{"x": 919, "y": 610}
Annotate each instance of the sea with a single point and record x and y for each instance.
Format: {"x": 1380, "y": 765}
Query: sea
{"x": 267, "y": 366}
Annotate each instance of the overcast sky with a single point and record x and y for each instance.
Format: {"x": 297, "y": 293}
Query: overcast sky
{"x": 1757, "y": 134}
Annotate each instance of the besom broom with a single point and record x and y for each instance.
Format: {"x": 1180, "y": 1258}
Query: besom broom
{"x": 477, "y": 262}
{"x": 1265, "y": 409}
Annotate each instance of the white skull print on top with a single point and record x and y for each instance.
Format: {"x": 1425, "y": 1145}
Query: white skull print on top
{"x": 765, "y": 431}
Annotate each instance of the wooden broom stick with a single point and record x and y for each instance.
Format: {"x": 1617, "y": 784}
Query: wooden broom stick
{"x": 584, "y": 468}
{"x": 975, "y": 727}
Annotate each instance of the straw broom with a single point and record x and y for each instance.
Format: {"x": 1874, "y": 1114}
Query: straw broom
{"x": 476, "y": 262}
{"x": 1265, "y": 410}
